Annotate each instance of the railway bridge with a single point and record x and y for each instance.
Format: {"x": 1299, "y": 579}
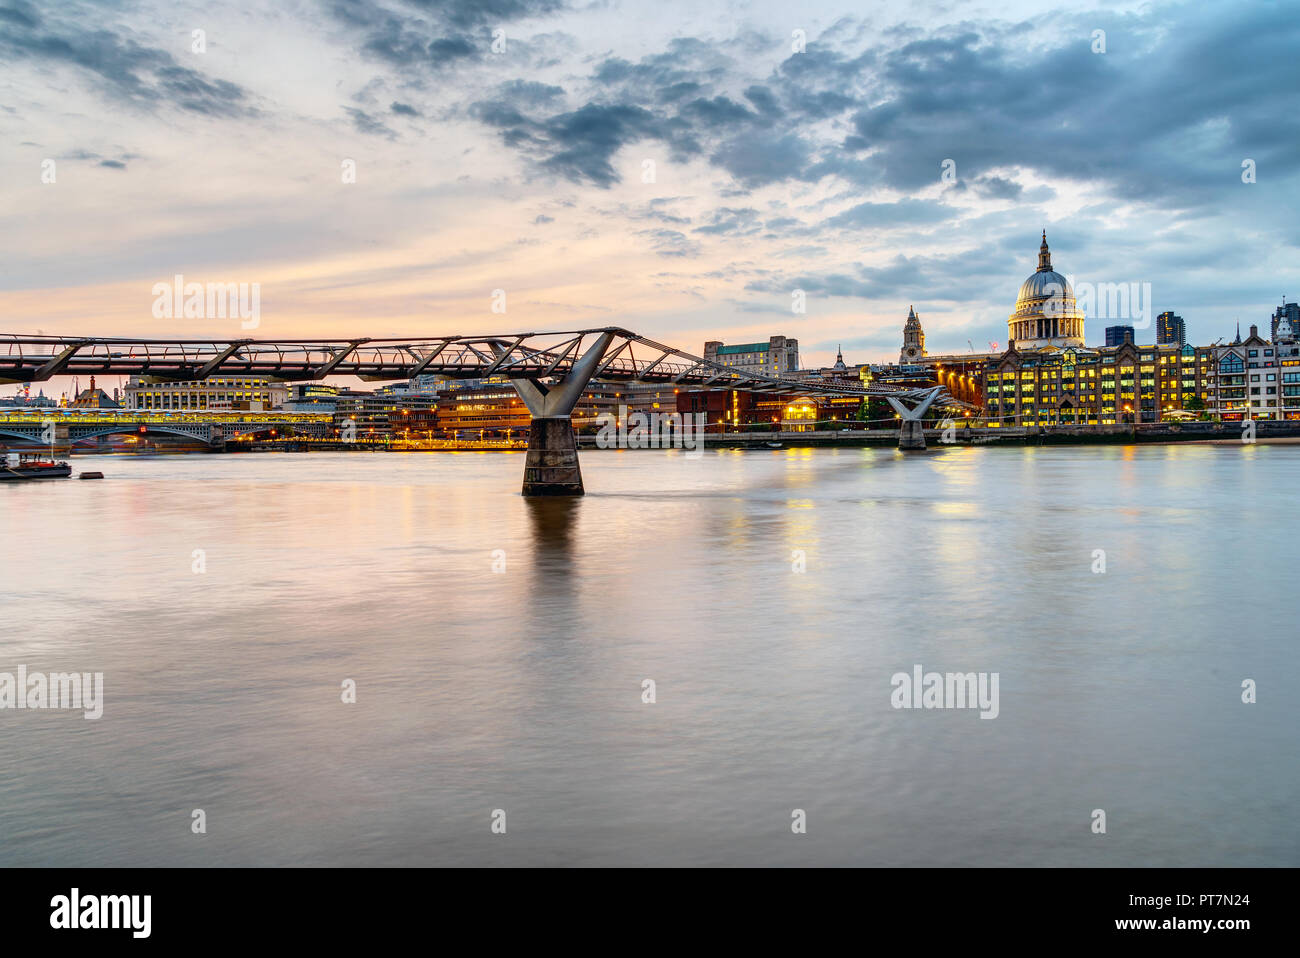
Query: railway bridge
{"x": 62, "y": 427}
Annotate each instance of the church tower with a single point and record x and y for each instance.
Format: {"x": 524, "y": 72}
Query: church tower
{"x": 913, "y": 339}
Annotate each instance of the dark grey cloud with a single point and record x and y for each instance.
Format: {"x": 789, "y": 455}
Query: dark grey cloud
{"x": 447, "y": 49}
{"x": 434, "y": 34}
{"x": 90, "y": 156}
{"x": 579, "y": 144}
{"x": 404, "y": 45}
{"x": 783, "y": 223}
{"x": 477, "y": 13}
{"x": 758, "y": 158}
{"x": 658, "y": 98}
{"x": 718, "y": 113}
{"x": 675, "y": 92}
{"x": 732, "y": 221}
{"x": 123, "y": 69}
{"x": 21, "y": 14}
{"x": 668, "y": 242}
{"x": 656, "y": 211}
{"x": 998, "y": 188}
{"x": 365, "y": 123}
{"x": 764, "y": 101}
{"x": 530, "y": 93}
{"x": 403, "y": 109}
{"x": 906, "y": 211}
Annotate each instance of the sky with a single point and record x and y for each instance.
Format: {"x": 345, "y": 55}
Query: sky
{"x": 679, "y": 169}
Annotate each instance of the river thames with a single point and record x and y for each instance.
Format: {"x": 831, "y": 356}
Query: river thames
{"x": 499, "y": 648}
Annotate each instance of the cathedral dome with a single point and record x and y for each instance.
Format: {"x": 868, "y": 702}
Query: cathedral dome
{"x": 1043, "y": 284}
{"x": 1046, "y": 313}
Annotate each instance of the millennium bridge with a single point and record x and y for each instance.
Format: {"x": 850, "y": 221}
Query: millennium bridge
{"x": 549, "y": 370}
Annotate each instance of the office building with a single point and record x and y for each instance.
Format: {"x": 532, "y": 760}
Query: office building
{"x": 1170, "y": 330}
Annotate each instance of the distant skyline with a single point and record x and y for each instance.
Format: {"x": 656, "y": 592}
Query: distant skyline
{"x": 523, "y": 168}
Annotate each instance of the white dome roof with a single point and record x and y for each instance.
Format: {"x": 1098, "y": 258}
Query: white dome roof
{"x": 1044, "y": 283}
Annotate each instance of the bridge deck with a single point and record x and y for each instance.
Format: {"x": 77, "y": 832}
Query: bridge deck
{"x": 535, "y": 356}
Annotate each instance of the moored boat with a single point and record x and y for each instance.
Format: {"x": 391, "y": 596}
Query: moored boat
{"x": 19, "y": 466}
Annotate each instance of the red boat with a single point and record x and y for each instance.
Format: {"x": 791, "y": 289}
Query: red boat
{"x": 31, "y": 465}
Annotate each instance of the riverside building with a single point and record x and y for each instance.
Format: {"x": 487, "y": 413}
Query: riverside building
{"x": 776, "y": 357}
{"x": 215, "y": 394}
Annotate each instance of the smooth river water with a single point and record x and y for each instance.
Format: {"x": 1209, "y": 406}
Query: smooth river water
{"x": 521, "y": 689}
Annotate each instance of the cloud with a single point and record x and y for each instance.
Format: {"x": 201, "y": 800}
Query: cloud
{"x": 121, "y": 68}
{"x": 365, "y": 123}
{"x": 735, "y": 222}
{"x": 757, "y": 159}
{"x": 583, "y": 142}
{"x": 434, "y": 34}
{"x": 998, "y": 188}
{"x": 530, "y": 93}
{"x": 668, "y": 242}
{"x": 909, "y": 212}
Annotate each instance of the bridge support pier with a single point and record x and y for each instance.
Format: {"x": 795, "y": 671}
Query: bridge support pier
{"x": 911, "y": 433}
{"x": 551, "y": 467}
{"x": 62, "y": 444}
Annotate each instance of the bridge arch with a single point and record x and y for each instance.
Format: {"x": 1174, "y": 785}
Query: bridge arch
{"x": 77, "y": 434}
{"x": 202, "y": 434}
{"x": 31, "y": 436}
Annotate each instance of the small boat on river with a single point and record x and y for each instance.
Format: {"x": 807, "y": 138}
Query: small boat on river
{"x": 21, "y": 466}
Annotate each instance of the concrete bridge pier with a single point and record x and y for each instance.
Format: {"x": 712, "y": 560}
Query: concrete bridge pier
{"x": 911, "y": 433}
{"x": 551, "y": 467}
{"x": 62, "y": 444}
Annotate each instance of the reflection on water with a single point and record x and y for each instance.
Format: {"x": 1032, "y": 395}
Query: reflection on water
{"x": 517, "y": 684}
{"x": 552, "y": 527}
